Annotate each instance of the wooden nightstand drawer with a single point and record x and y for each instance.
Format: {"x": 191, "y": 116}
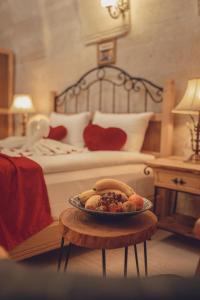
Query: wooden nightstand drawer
{"x": 185, "y": 182}
{"x": 174, "y": 174}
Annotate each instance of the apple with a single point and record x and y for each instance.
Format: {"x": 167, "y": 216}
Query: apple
{"x": 115, "y": 207}
{"x": 138, "y": 200}
{"x": 129, "y": 206}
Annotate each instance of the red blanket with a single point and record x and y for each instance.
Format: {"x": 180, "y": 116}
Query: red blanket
{"x": 24, "y": 204}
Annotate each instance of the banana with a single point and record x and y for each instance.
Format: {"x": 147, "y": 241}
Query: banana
{"x": 124, "y": 197}
{"x": 93, "y": 202}
{"x": 110, "y": 183}
{"x": 84, "y": 196}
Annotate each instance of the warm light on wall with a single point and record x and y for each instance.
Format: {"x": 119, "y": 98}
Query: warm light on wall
{"x": 116, "y": 8}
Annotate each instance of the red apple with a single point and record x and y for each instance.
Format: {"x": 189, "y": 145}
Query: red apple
{"x": 138, "y": 200}
{"x": 113, "y": 207}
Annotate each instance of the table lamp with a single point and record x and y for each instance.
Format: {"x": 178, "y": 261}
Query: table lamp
{"x": 190, "y": 104}
{"x": 22, "y": 104}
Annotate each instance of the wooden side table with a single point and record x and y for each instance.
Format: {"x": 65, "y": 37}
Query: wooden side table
{"x": 175, "y": 175}
{"x": 197, "y": 234}
{"x": 87, "y": 231}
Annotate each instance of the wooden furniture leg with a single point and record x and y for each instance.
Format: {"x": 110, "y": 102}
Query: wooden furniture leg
{"x": 197, "y": 273}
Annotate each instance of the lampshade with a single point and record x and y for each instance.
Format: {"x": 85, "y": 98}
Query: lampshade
{"x": 22, "y": 104}
{"x": 190, "y": 102}
{"x": 107, "y": 3}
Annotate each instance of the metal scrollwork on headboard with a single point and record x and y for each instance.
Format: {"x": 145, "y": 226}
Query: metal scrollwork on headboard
{"x": 118, "y": 79}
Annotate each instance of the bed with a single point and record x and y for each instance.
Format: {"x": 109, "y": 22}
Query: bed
{"x": 66, "y": 176}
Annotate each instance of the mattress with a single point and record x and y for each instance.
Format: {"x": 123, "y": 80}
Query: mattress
{"x": 63, "y": 185}
{"x": 89, "y": 160}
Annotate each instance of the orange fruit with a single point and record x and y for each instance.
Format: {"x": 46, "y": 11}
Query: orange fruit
{"x": 138, "y": 200}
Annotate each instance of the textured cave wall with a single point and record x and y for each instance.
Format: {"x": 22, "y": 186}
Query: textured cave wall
{"x": 45, "y": 36}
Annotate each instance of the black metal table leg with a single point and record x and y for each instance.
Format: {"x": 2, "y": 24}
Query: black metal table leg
{"x": 125, "y": 261}
{"x": 67, "y": 257}
{"x": 136, "y": 261}
{"x": 145, "y": 259}
{"x": 104, "y": 262}
{"x": 60, "y": 253}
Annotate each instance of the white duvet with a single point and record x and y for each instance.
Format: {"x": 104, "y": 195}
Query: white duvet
{"x": 89, "y": 160}
{"x": 24, "y": 146}
{"x": 56, "y": 157}
{"x": 36, "y": 142}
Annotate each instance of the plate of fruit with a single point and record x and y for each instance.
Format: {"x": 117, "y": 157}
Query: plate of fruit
{"x": 111, "y": 197}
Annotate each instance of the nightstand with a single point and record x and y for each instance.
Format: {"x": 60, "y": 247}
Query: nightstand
{"x": 173, "y": 174}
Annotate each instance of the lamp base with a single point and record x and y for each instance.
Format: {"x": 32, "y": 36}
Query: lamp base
{"x": 24, "y": 122}
{"x": 193, "y": 159}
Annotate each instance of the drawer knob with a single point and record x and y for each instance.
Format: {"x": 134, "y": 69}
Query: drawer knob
{"x": 175, "y": 180}
{"x": 178, "y": 181}
{"x": 181, "y": 181}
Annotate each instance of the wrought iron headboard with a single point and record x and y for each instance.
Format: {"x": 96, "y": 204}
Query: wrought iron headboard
{"x": 117, "y": 78}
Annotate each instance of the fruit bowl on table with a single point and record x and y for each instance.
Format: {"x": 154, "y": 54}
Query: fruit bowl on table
{"x": 110, "y": 198}
{"x": 75, "y": 201}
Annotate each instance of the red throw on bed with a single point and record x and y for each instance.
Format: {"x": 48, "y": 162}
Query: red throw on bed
{"x": 24, "y": 204}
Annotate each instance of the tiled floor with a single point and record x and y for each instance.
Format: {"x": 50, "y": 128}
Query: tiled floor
{"x": 167, "y": 254}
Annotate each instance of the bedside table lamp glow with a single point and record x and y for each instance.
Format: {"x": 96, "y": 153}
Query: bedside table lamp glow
{"x": 22, "y": 104}
{"x": 190, "y": 104}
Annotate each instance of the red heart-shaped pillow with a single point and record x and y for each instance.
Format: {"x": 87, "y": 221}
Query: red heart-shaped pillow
{"x": 99, "y": 138}
{"x": 57, "y": 133}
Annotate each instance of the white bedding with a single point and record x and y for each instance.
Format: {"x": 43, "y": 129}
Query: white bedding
{"x": 67, "y": 175}
{"x": 89, "y": 160}
{"x": 29, "y": 147}
{"x": 70, "y": 174}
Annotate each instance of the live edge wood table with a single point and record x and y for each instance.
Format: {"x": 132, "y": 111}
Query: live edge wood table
{"x": 173, "y": 174}
{"x": 87, "y": 231}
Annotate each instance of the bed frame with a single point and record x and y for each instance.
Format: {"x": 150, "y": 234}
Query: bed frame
{"x": 123, "y": 90}
{"x": 116, "y": 81}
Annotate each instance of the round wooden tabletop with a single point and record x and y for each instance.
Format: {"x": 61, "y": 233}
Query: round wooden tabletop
{"x": 87, "y": 231}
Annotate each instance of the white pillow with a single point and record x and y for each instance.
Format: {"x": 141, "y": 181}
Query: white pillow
{"x": 75, "y": 125}
{"x": 134, "y": 124}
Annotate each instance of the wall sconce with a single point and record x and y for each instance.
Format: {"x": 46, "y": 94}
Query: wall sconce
{"x": 116, "y": 8}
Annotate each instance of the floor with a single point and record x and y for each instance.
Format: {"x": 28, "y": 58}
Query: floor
{"x": 167, "y": 254}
